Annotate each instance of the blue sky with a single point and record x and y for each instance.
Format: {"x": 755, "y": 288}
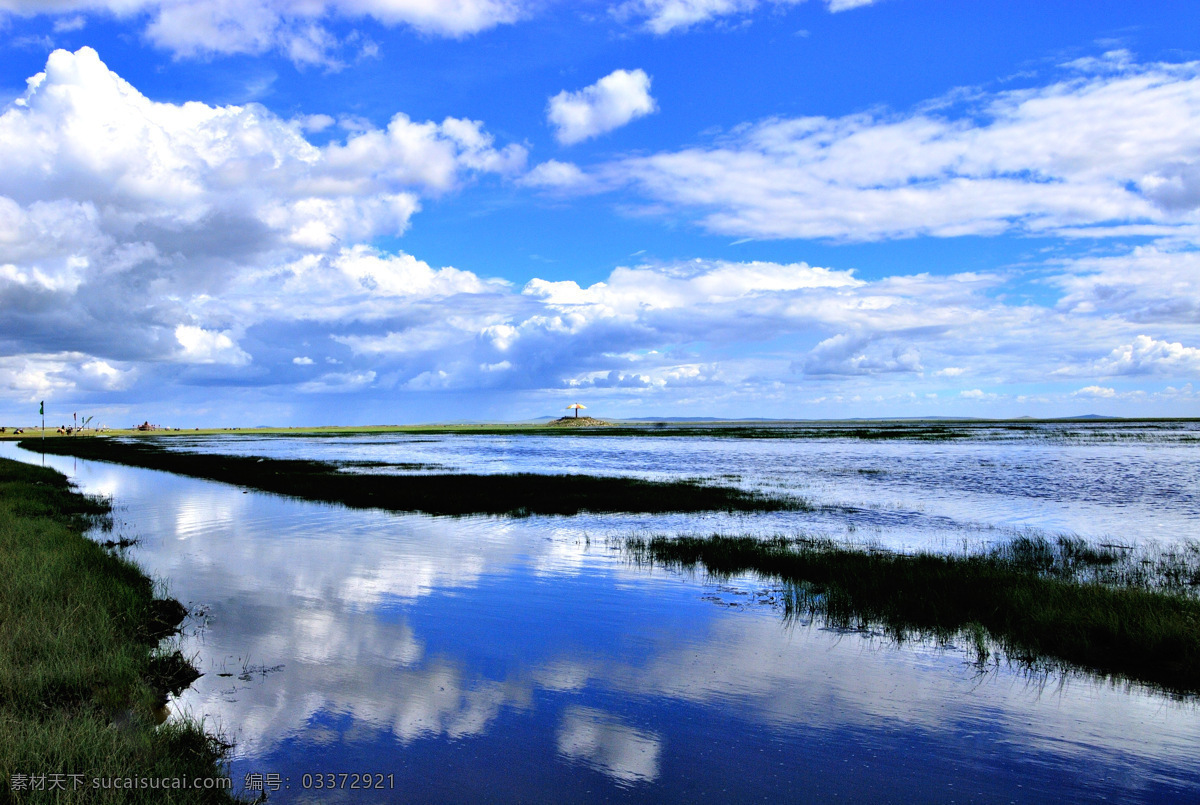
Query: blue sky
{"x": 370, "y": 211}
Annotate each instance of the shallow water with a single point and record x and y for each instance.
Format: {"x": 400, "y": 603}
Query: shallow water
{"x": 899, "y": 493}
{"x": 502, "y": 660}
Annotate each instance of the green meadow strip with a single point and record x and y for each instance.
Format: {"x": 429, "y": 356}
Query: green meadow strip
{"x": 1106, "y": 610}
{"x": 909, "y": 430}
{"x": 514, "y": 494}
{"x": 81, "y": 674}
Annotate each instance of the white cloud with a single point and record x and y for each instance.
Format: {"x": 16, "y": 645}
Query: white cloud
{"x": 502, "y": 366}
{"x": 618, "y": 98}
{"x": 845, "y": 5}
{"x": 36, "y": 376}
{"x": 697, "y": 282}
{"x": 1149, "y": 284}
{"x": 297, "y": 29}
{"x": 127, "y": 221}
{"x": 555, "y": 175}
{"x": 355, "y": 284}
{"x": 1148, "y": 356}
{"x": 744, "y": 332}
{"x": 102, "y": 376}
{"x": 1111, "y": 147}
{"x": 204, "y": 346}
{"x": 665, "y": 16}
{"x": 612, "y": 379}
{"x": 314, "y": 123}
{"x": 146, "y": 245}
{"x": 1096, "y": 392}
{"x": 857, "y": 354}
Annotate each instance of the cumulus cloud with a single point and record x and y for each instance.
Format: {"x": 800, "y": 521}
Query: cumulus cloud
{"x": 37, "y": 376}
{"x": 618, "y": 98}
{"x": 445, "y": 329}
{"x": 856, "y": 354}
{"x": 1098, "y": 149}
{"x": 357, "y": 283}
{"x": 127, "y": 219}
{"x": 204, "y": 346}
{"x": 1144, "y": 356}
{"x": 144, "y": 245}
{"x": 612, "y": 379}
{"x": 299, "y": 30}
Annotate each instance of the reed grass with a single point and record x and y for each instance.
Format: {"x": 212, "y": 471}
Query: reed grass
{"x": 1043, "y": 603}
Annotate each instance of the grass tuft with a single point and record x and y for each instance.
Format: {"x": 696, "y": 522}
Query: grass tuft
{"x": 1044, "y": 603}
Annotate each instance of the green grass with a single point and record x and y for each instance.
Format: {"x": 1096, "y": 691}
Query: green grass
{"x": 517, "y": 494}
{"x": 1044, "y": 604}
{"x": 913, "y": 430}
{"x": 81, "y": 676}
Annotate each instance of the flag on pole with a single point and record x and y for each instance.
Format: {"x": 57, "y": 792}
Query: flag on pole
{"x": 42, "y": 408}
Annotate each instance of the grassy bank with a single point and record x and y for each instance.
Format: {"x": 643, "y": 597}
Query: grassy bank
{"x": 1041, "y": 603}
{"x": 81, "y": 679}
{"x": 910, "y": 430}
{"x": 443, "y": 494}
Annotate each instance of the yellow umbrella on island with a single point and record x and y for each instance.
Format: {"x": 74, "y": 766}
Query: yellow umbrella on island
{"x": 576, "y": 406}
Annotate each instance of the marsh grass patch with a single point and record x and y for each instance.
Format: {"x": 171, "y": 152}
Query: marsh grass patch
{"x": 1065, "y": 603}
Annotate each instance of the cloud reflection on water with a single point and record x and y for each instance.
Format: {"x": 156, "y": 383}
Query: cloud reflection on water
{"x": 602, "y": 741}
{"x": 357, "y": 608}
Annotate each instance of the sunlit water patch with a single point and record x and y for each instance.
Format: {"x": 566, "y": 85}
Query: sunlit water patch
{"x": 527, "y": 660}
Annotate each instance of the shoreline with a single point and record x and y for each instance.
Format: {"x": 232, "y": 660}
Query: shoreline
{"x": 442, "y": 494}
{"x": 83, "y": 677}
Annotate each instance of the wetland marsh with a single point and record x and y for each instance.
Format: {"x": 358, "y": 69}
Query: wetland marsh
{"x": 536, "y": 659}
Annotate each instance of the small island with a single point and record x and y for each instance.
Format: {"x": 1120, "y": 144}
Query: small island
{"x": 578, "y": 422}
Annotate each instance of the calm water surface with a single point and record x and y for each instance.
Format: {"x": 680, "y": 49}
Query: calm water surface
{"x": 500, "y": 660}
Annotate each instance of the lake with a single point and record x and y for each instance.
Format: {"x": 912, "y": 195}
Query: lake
{"x": 528, "y": 660}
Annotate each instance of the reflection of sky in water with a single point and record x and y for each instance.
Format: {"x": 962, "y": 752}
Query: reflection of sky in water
{"x": 485, "y": 659}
